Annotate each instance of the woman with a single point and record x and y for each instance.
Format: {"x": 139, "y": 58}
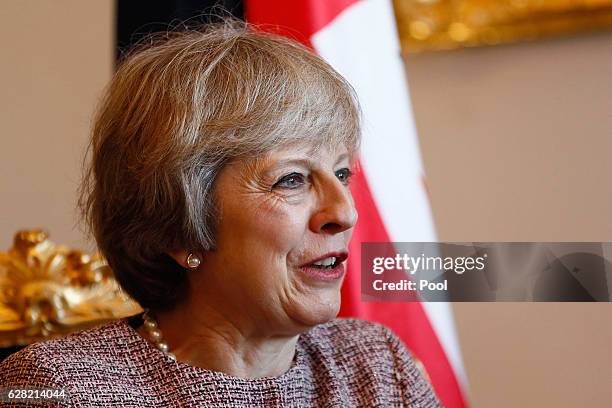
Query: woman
{"x": 218, "y": 192}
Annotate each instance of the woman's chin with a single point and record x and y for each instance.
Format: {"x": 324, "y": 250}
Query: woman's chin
{"x": 312, "y": 312}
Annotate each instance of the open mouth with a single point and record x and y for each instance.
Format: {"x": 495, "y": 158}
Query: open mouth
{"x": 328, "y": 268}
{"x": 329, "y": 262}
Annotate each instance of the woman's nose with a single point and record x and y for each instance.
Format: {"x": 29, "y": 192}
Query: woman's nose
{"x": 335, "y": 211}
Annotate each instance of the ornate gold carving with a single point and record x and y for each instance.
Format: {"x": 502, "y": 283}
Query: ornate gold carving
{"x": 48, "y": 290}
{"x": 444, "y": 24}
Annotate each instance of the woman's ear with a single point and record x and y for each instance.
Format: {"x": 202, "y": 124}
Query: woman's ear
{"x": 180, "y": 257}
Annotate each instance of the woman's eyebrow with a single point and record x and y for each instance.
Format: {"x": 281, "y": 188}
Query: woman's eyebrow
{"x": 307, "y": 163}
{"x": 301, "y": 162}
{"x": 343, "y": 156}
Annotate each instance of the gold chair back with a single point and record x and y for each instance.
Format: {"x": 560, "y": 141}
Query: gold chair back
{"x": 48, "y": 290}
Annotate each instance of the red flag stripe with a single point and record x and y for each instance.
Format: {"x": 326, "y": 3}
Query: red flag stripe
{"x": 297, "y": 19}
{"x": 408, "y": 320}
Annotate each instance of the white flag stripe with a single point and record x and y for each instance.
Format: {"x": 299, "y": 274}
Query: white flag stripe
{"x": 370, "y": 60}
{"x": 440, "y": 315}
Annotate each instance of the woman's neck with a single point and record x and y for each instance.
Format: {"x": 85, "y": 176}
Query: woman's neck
{"x": 208, "y": 340}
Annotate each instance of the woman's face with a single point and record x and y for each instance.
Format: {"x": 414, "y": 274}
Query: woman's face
{"x": 282, "y": 236}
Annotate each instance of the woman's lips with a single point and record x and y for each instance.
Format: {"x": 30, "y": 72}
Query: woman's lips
{"x": 327, "y": 275}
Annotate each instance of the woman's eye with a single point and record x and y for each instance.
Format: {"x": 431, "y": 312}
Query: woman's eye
{"x": 293, "y": 180}
{"x": 344, "y": 175}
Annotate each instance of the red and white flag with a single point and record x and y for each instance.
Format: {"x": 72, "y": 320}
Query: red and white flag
{"x": 359, "y": 39}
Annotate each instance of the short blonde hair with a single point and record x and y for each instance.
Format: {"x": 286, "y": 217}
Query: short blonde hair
{"x": 175, "y": 112}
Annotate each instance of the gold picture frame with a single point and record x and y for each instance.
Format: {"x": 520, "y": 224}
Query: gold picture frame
{"x": 433, "y": 25}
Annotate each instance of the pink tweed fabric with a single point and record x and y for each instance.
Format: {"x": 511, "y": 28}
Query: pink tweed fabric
{"x": 343, "y": 363}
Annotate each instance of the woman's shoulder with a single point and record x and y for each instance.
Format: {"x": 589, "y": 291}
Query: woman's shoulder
{"x": 111, "y": 357}
{"x": 44, "y": 361}
{"x": 93, "y": 341}
{"x": 32, "y": 366}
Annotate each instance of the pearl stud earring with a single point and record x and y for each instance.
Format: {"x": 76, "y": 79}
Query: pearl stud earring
{"x": 193, "y": 261}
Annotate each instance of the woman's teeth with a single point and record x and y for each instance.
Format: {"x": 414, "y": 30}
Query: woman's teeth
{"x": 326, "y": 263}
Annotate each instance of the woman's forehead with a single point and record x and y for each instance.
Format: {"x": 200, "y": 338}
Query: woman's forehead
{"x": 305, "y": 152}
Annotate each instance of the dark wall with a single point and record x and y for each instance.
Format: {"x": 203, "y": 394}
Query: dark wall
{"x": 138, "y": 18}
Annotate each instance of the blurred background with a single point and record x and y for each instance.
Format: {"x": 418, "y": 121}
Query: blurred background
{"x": 515, "y": 128}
